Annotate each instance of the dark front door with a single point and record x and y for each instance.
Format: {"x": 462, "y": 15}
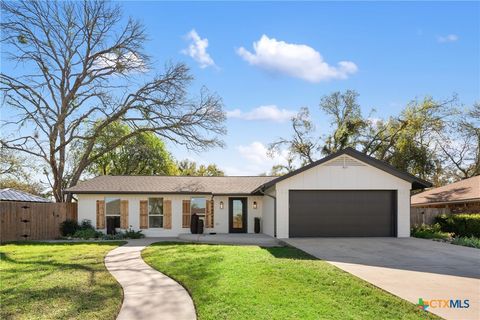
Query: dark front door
{"x": 237, "y": 208}
{"x": 342, "y": 213}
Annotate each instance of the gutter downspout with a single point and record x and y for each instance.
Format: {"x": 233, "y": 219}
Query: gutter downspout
{"x": 262, "y": 191}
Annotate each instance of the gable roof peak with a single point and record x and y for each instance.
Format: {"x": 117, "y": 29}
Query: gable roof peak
{"x": 417, "y": 183}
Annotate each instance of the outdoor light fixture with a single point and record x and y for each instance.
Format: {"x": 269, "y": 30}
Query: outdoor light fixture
{"x": 254, "y": 204}
{"x": 221, "y": 204}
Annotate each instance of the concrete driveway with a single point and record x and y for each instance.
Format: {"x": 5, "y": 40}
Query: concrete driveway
{"x": 407, "y": 267}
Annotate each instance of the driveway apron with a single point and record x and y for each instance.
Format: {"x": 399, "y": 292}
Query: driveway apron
{"x": 147, "y": 293}
{"x": 409, "y": 268}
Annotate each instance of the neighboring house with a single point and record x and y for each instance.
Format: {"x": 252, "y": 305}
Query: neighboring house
{"x": 459, "y": 197}
{"x": 344, "y": 194}
{"x": 9, "y": 194}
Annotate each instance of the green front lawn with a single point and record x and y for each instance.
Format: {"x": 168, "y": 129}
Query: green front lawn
{"x": 249, "y": 282}
{"x": 57, "y": 281}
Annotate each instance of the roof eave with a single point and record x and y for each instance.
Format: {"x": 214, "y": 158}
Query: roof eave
{"x": 164, "y": 192}
{"x": 419, "y": 204}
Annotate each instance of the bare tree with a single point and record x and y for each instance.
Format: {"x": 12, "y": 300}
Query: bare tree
{"x": 302, "y": 144}
{"x": 80, "y": 63}
{"x": 460, "y": 144}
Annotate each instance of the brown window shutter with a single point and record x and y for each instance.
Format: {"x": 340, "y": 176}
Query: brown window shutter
{"x": 167, "y": 214}
{"x": 124, "y": 214}
{"x": 186, "y": 214}
{"x": 100, "y": 214}
{"x": 209, "y": 214}
{"x": 143, "y": 214}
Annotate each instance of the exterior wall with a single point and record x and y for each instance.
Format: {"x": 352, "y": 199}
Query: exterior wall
{"x": 269, "y": 212}
{"x": 325, "y": 177}
{"x": 87, "y": 210}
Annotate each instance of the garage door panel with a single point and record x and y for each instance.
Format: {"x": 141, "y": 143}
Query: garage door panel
{"x": 342, "y": 213}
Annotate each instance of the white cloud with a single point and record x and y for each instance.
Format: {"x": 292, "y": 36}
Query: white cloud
{"x": 197, "y": 49}
{"x": 447, "y": 38}
{"x": 256, "y": 152}
{"x": 256, "y": 159}
{"x": 296, "y": 60}
{"x": 127, "y": 62}
{"x": 269, "y": 112}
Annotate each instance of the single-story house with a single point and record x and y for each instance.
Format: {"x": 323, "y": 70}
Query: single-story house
{"x": 346, "y": 194}
{"x": 460, "y": 197}
{"x": 9, "y": 194}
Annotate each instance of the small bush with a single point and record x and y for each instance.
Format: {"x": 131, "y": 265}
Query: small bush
{"x": 85, "y": 231}
{"x": 86, "y": 224}
{"x": 132, "y": 234}
{"x": 87, "y": 234}
{"x": 473, "y": 242}
{"x": 69, "y": 227}
{"x": 116, "y": 236}
{"x": 430, "y": 232}
{"x": 463, "y": 225}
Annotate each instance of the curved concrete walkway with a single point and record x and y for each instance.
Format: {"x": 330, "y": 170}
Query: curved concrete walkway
{"x": 147, "y": 293}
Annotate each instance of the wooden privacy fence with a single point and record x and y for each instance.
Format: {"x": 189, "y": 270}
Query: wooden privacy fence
{"x": 419, "y": 216}
{"x": 33, "y": 221}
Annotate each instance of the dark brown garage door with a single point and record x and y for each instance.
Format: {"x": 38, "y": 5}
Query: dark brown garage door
{"x": 342, "y": 213}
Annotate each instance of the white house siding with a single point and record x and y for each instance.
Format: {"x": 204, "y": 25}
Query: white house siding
{"x": 87, "y": 210}
{"x": 268, "y": 212}
{"x": 325, "y": 177}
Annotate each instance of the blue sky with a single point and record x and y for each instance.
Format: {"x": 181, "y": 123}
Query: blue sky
{"x": 389, "y": 52}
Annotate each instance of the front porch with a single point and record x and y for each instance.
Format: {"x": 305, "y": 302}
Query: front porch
{"x": 257, "y": 239}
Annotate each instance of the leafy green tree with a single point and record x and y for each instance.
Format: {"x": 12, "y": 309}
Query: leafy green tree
{"x": 460, "y": 144}
{"x": 190, "y": 168}
{"x": 11, "y": 165}
{"x": 142, "y": 154}
{"x": 435, "y": 140}
{"x": 408, "y": 142}
{"x": 346, "y": 118}
{"x": 14, "y": 174}
{"x": 29, "y": 186}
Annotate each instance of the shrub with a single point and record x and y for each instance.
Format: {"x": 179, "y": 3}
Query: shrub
{"x": 87, "y": 234}
{"x": 69, "y": 227}
{"x": 473, "y": 242}
{"x": 117, "y": 236}
{"x": 430, "y": 232}
{"x": 85, "y": 231}
{"x": 86, "y": 224}
{"x": 132, "y": 234}
{"x": 463, "y": 225}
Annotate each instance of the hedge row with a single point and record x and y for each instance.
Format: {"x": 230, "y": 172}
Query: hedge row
{"x": 463, "y": 225}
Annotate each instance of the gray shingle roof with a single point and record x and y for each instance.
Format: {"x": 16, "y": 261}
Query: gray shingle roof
{"x": 170, "y": 184}
{"x": 17, "y": 195}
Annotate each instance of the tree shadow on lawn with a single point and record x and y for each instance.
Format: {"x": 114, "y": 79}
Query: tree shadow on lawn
{"x": 48, "y": 263}
{"x": 289, "y": 253}
{"x": 77, "y": 302}
{"x": 34, "y": 263}
{"x": 62, "y": 243}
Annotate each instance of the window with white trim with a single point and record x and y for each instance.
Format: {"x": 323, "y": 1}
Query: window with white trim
{"x": 155, "y": 212}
